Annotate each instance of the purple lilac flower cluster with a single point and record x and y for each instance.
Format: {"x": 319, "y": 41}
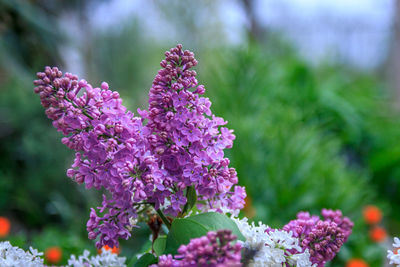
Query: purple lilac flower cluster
{"x": 323, "y": 238}
{"x": 142, "y": 165}
{"x": 188, "y": 141}
{"x": 213, "y": 250}
{"x": 110, "y": 149}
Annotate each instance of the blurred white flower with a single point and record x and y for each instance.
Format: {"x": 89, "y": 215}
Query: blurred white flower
{"x": 393, "y": 257}
{"x": 105, "y": 259}
{"x": 14, "y": 256}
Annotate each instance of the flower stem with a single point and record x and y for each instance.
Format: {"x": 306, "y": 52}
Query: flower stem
{"x": 164, "y": 219}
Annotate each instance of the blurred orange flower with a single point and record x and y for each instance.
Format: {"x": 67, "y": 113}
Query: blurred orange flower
{"x": 5, "y": 226}
{"x": 53, "y": 255}
{"x": 115, "y": 250}
{"x": 356, "y": 263}
{"x": 248, "y": 208}
{"x": 372, "y": 214}
{"x": 377, "y": 234}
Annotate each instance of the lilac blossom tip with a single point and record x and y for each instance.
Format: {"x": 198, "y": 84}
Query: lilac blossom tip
{"x": 323, "y": 238}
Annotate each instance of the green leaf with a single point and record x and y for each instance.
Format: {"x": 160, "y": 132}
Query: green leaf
{"x": 145, "y": 248}
{"x": 159, "y": 245}
{"x": 146, "y": 260}
{"x": 191, "y": 198}
{"x": 216, "y": 221}
{"x": 182, "y": 230}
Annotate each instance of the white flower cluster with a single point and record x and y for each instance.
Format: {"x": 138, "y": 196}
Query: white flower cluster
{"x": 272, "y": 247}
{"x": 15, "y": 257}
{"x": 105, "y": 259}
{"x": 395, "y": 257}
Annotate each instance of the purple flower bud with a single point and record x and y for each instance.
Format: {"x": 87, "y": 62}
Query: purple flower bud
{"x": 104, "y": 86}
{"x": 159, "y": 150}
{"x": 79, "y": 178}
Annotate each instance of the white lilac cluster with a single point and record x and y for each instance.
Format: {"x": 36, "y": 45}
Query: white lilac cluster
{"x": 14, "y": 256}
{"x": 272, "y": 247}
{"x": 394, "y": 256}
{"x": 105, "y": 259}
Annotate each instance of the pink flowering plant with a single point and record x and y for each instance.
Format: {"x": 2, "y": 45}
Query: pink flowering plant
{"x": 166, "y": 166}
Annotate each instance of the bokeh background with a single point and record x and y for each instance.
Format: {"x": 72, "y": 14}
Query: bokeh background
{"x": 311, "y": 88}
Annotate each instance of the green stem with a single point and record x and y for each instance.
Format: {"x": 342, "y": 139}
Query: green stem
{"x": 164, "y": 219}
{"x": 83, "y": 110}
{"x": 86, "y": 114}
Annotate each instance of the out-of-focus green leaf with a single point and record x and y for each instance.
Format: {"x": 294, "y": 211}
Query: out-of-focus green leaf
{"x": 146, "y": 260}
{"x": 159, "y": 245}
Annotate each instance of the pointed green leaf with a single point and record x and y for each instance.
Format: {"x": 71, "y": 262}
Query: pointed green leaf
{"x": 216, "y": 221}
{"x": 191, "y": 198}
{"x": 182, "y": 230}
{"x": 159, "y": 245}
{"x": 146, "y": 260}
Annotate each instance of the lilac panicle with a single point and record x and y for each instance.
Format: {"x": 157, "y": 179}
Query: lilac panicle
{"x": 142, "y": 165}
{"x": 187, "y": 140}
{"x": 324, "y": 242}
{"x": 109, "y": 146}
{"x": 213, "y": 250}
{"x": 323, "y": 238}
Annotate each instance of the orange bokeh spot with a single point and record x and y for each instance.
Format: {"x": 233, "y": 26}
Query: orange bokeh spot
{"x": 53, "y": 255}
{"x": 5, "y": 227}
{"x": 372, "y": 214}
{"x": 356, "y": 263}
{"x": 377, "y": 234}
{"x": 248, "y": 208}
{"x": 248, "y": 202}
{"x": 114, "y": 250}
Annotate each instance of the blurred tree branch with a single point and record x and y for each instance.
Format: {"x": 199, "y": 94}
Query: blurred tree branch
{"x": 255, "y": 30}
